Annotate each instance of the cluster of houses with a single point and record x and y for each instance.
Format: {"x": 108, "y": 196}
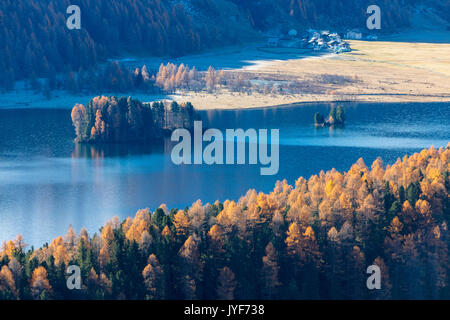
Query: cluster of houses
{"x": 317, "y": 40}
{"x": 324, "y": 40}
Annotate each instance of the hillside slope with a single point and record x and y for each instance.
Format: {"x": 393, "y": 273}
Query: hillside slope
{"x": 35, "y": 42}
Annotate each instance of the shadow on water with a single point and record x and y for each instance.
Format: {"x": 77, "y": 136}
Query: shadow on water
{"x": 118, "y": 150}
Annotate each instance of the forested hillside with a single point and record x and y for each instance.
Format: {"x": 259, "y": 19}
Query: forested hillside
{"x": 312, "y": 240}
{"x": 35, "y": 42}
{"x": 324, "y": 13}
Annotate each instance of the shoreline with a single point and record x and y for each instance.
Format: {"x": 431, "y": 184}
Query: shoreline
{"x": 53, "y": 104}
{"x": 203, "y": 107}
{"x": 313, "y": 103}
{"x": 386, "y": 71}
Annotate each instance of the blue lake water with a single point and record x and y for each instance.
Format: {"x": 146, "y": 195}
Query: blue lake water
{"x": 47, "y": 182}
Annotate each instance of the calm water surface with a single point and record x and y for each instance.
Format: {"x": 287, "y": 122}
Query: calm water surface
{"x": 47, "y": 182}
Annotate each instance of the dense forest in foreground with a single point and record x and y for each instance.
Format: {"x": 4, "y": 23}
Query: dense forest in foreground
{"x": 35, "y": 42}
{"x": 313, "y": 240}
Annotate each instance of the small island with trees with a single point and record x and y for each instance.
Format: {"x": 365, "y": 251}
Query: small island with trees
{"x": 113, "y": 119}
{"x": 335, "y": 118}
